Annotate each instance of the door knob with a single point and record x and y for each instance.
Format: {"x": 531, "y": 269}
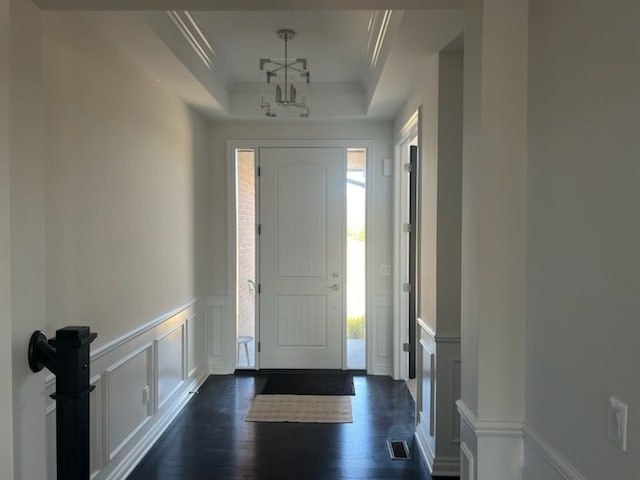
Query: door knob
{"x": 334, "y": 287}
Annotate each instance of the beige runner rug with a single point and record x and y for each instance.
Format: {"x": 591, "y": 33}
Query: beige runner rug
{"x": 301, "y": 409}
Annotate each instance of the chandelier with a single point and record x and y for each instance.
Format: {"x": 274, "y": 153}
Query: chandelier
{"x": 281, "y": 95}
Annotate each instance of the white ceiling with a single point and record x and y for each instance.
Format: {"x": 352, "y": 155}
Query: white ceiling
{"x": 332, "y": 42}
{"x": 359, "y": 68}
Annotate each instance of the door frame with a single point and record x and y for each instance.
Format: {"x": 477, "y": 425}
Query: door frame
{"x": 410, "y": 130}
{"x": 229, "y": 330}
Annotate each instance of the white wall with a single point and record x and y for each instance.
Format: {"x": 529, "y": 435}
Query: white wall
{"x": 126, "y": 246}
{"x": 583, "y": 232}
{"x": 6, "y": 404}
{"x": 449, "y": 193}
{"x": 425, "y": 97}
{"x": 109, "y": 169}
{"x": 27, "y": 236}
{"x": 126, "y": 192}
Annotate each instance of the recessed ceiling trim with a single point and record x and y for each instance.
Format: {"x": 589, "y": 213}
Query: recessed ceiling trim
{"x": 196, "y": 43}
{"x": 382, "y": 32}
{"x": 367, "y": 45}
{"x": 202, "y": 36}
{"x": 371, "y": 31}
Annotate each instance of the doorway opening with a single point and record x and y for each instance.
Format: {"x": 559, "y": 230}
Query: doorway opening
{"x": 245, "y": 168}
{"x": 356, "y": 258}
{"x": 345, "y": 281}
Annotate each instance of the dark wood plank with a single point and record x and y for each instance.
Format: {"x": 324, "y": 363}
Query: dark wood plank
{"x": 211, "y": 440}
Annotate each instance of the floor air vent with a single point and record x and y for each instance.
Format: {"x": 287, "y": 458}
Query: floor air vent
{"x": 398, "y": 450}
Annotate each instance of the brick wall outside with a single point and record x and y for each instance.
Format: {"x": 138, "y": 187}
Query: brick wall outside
{"x": 246, "y": 243}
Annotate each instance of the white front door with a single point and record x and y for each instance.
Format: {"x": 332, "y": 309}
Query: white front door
{"x": 302, "y": 199}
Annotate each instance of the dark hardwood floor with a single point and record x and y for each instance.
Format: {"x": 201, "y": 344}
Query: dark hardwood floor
{"x": 210, "y": 439}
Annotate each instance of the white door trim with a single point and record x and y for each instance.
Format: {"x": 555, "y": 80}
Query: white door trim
{"x": 232, "y": 145}
{"x": 410, "y": 130}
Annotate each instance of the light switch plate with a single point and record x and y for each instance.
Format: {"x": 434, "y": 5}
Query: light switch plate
{"x": 618, "y": 412}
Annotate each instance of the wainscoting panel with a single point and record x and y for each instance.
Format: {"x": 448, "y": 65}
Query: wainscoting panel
{"x": 438, "y": 427}
{"x": 454, "y": 419}
{"x": 170, "y": 366}
{"x": 468, "y": 449}
{"x": 425, "y": 430}
{"x": 467, "y": 463}
{"x": 381, "y": 355}
{"x": 196, "y": 342}
{"x": 142, "y": 380}
{"x": 219, "y": 327}
{"x": 447, "y": 459}
{"x": 127, "y": 409}
{"x": 51, "y": 441}
{"x": 96, "y": 426}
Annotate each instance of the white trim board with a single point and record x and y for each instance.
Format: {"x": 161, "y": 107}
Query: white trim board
{"x": 489, "y": 428}
{"x": 255, "y": 144}
{"x": 551, "y": 454}
{"x": 140, "y": 330}
{"x": 514, "y": 429}
{"x": 438, "y": 466}
{"x": 130, "y": 335}
{"x": 438, "y": 337}
{"x": 409, "y": 131}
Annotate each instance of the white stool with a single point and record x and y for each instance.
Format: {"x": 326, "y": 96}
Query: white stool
{"x": 244, "y": 340}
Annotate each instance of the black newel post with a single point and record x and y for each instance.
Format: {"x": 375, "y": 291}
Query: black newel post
{"x": 67, "y": 356}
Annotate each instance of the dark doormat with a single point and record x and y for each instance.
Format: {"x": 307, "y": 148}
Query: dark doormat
{"x": 309, "y": 384}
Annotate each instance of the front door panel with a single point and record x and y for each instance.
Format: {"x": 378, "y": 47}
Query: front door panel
{"x": 301, "y": 257}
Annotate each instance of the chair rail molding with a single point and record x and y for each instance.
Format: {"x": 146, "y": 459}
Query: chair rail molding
{"x": 545, "y": 457}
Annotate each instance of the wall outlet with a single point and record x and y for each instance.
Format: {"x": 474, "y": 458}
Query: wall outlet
{"x": 385, "y": 270}
{"x": 618, "y": 412}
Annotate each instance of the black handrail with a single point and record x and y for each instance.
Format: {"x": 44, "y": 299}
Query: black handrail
{"x": 67, "y": 357}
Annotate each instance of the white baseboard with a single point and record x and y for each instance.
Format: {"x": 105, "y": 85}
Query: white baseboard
{"x": 424, "y": 447}
{"x": 438, "y": 466}
{"x": 445, "y": 467}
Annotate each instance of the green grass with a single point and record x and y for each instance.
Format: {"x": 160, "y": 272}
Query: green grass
{"x": 355, "y": 327}
{"x": 356, "y": 234}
